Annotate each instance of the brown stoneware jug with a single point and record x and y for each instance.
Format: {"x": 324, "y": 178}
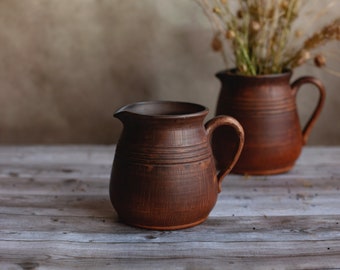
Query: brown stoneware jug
{"x": 163, "y": 175}
{"x": 266, "y": 108}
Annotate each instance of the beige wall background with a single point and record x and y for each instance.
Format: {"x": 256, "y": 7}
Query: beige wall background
{"x": 67, "y": 65}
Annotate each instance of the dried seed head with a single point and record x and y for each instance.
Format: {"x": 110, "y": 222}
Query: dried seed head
{"x": 230, "y": 34}
{"x": 216, "y": 10}
{"x": 270, "y": 13}
{"x": 284, "y": 5}
{"x": 255, "y": 22}
{"x": 216, "y": 44}
{"x": 332, "y": 31}
{"x": 319, "y": 60}
{"x": 255, "y": 26}
{"x": 243, "y": 68}
{"x": 298, "y": 33}
{"x": 304, "y": 56}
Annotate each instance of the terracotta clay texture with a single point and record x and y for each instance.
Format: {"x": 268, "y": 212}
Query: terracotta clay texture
{"x": 163, "y": 175}
{"x": 266, "y": 108}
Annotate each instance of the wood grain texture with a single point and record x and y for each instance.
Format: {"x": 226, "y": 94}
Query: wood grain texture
{"x": 55, "y": 213}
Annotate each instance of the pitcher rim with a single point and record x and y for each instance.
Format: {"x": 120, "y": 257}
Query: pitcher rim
{"x": 200, "y": 110}
{"x": 232, "y": 72}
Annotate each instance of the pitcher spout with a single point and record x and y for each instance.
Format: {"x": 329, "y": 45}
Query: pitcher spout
{"x": 122, "y": 113}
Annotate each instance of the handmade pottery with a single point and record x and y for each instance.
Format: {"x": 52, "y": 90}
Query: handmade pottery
{"x": 163, "y": 175}
{"x": 266, "y": 108}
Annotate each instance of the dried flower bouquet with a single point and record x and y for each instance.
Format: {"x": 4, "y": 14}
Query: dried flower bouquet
{"x": 265, "y": 36}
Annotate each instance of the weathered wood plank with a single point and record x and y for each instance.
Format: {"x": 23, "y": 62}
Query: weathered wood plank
{"x": 269, "y": 205}
{"x": 300, "y": 255}
{"x": 238, "y": 198}
{"x": 228, "y": 229}
{"x": 67, "y": 154}
{"x": 55, "y": 213}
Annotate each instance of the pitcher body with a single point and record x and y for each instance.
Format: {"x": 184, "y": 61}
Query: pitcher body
{"x": 266, "y": 108}
{"x": 163, "y": 175}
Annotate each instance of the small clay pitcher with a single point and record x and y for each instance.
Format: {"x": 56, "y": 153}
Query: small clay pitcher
{"x": 265, "y": 105}
{"x": 163, "y": 175}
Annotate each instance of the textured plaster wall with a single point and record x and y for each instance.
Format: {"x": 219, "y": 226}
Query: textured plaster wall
{"x": 66, "y": 66}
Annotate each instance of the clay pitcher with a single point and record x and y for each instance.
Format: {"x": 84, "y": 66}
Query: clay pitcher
{"x": 163, "y": 175}
{"x": 266, "y": 108}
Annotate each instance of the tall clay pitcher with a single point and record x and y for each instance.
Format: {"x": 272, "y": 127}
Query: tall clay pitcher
{"x": 265, "y": 106}
{"x": 163, "y": 175}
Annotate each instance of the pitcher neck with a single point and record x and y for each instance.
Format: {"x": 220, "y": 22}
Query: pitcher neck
{"x": 225, "y": 76}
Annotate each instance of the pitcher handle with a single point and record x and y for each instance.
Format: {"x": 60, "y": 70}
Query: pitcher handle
{"x": 223, "y": 120}
{"x": 295, "y": 87}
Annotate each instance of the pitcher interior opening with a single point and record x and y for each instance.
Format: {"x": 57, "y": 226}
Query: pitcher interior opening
{"x": 165, "y": 108}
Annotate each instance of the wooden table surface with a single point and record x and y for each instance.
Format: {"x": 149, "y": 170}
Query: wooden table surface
{"x": 55, "y": 213}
